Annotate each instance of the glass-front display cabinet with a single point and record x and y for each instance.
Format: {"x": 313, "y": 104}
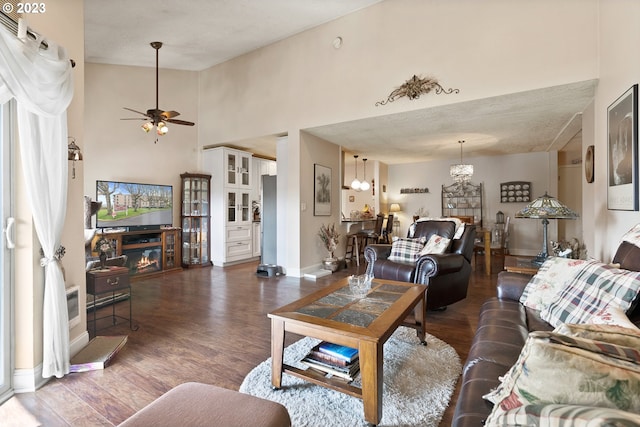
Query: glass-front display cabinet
{"x": 196, "y": 193}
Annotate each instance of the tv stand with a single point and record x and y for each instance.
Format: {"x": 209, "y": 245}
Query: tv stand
{"x": 149, "y": 252}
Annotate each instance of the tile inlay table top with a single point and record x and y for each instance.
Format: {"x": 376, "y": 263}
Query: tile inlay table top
{"x": 333, "y": 314}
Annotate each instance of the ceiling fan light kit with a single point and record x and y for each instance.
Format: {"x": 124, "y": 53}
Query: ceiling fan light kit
{"x": 156, "y": 117}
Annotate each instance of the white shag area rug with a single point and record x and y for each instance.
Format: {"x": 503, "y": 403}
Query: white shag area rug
{"x": 418, "y": 384}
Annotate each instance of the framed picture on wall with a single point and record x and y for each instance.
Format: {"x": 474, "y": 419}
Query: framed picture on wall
{"x": 321, "y": 190}
{"x": 622, "y": 151}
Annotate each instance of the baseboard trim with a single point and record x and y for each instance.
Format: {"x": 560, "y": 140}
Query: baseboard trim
{"x": 29, "y": 380}
{"x": 79, "y": 343}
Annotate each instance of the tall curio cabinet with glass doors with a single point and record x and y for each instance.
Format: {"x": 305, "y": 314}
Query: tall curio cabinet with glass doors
{"x": 196, "y": 219}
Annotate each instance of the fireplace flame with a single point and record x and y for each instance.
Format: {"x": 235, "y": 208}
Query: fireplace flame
{"x": 146, "y": 264}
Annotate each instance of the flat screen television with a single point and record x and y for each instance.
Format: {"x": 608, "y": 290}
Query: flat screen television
{"x": 133, "y": 205}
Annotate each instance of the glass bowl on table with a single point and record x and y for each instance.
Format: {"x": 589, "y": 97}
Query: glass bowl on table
{"x": 360, "y": 285}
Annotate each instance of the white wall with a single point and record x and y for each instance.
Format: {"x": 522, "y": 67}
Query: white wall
{"x": 619, "y": 37}
{"x": 314, "y": 150}
{"x": 526, "y": 234}
{"x": 118, "y": 149}
{"x": 484, "y": 48}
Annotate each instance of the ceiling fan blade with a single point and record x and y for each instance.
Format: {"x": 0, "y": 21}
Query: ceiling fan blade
{"x": 137, "y": 118}
{"x": 136, "y": 111}
{"x": 170, "y": 114}
{"x": 180, "y": 122}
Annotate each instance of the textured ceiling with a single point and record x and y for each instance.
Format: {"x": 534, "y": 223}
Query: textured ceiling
{"x": 198, "y": 34}
{"x": 532, "y": 121}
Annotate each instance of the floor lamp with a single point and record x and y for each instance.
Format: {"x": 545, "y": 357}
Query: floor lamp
{"x": 545, "y": 208}
{"x": 394, "y": 209}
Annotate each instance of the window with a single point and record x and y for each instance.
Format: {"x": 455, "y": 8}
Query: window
{"x": 6, "y": 254}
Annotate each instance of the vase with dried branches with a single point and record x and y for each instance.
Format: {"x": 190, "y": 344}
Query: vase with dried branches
{"x": 330, "y": 238}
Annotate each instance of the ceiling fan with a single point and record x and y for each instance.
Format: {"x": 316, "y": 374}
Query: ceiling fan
{"x": 155, "y": 116}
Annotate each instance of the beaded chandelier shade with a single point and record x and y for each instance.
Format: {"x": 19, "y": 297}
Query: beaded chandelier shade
{"x": 461, "y": 173}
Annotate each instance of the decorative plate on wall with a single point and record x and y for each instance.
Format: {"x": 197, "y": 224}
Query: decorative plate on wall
{"x": 515, "y": 192}
{"x": 588, "y": 164}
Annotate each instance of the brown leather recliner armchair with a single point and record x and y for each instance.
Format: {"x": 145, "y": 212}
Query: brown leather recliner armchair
{"x": 447, "y": 275}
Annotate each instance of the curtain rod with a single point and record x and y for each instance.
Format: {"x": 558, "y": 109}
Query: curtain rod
{"x": 12, "y": 26}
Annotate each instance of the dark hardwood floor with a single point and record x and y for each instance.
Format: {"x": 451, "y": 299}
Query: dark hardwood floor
{"x": 208, "y": 325}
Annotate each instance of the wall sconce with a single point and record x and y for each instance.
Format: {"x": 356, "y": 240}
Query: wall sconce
{"x": 74, "y": 154}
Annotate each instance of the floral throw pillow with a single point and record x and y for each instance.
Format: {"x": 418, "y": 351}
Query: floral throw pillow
{"x": 543, "y": 288}
{"x": 611, "y": 315}
{"x": 404, "y": 249}
{"x": 554, "y": 368}
{"x": 435, "y": 245}
{"x": 561, "y": 415}
{"x": 613, "y": 334}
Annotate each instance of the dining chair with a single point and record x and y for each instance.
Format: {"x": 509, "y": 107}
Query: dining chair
{"x": 388, "y": 231}
{"x": 499, "y": 249}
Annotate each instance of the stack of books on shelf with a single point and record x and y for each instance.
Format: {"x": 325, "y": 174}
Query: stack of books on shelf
{"x": 333, "y": 359}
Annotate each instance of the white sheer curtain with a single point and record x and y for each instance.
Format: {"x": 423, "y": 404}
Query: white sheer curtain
{"x": 40, "y": 81}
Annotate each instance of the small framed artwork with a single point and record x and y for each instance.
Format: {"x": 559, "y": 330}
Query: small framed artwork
{"x": 322, "y": 190}
{"x": 622, "y": 151}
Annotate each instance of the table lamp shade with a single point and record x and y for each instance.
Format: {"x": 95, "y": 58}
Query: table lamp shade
{"x": 395, "y": 207}
{"x": 545, "y": 207}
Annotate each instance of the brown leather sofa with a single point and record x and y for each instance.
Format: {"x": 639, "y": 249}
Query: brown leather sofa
{"x": 446, "y": 274}
{"x": 503, "y": 328}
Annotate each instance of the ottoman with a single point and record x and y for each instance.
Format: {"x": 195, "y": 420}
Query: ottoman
{"x": 203, "y": 405}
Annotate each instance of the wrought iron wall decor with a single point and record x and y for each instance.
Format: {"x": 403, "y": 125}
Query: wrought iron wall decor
{"x": 416, "y": 86}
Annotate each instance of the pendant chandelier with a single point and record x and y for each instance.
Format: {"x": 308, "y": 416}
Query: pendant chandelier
{"x": 461, "y": 173}
{"x": 364, "y": 184}
{"x": 355, "y": 184}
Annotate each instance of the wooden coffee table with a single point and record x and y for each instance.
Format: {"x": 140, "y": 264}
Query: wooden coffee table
{"x": 520, "y": 264}
{"x": 333, "y": 314}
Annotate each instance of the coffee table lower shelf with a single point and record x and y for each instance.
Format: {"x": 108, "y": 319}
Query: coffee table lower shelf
{"x": 318, "y": 378}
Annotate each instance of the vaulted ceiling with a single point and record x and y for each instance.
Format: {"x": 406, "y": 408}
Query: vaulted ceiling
{"x": 199, "y": 34}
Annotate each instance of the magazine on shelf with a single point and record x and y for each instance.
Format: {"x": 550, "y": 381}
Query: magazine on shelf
{"x": 342, "y": 352}
{"x": 347, "y": 373}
